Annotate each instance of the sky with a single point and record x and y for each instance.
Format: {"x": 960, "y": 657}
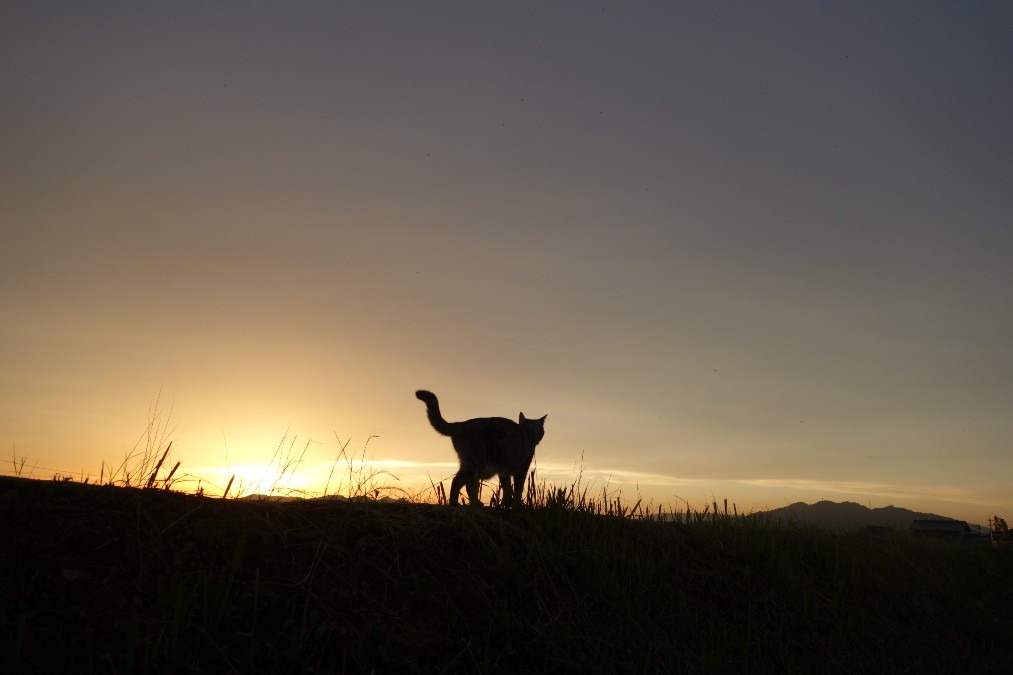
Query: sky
{"x": 747, "y": 251}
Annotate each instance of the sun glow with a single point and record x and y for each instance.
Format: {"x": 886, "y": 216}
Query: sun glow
{"x": 241, "y": 480}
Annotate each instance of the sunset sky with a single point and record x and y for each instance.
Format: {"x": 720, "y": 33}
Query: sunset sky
{"x": 760, "y": 252}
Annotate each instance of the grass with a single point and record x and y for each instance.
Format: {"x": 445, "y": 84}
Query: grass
{"x": 145, "y": 463}
{"x": 113, "y": 579}
{"x": 282, "y": 467}
{"x": 131, "y": 575}
{"x": 359, "y": 480}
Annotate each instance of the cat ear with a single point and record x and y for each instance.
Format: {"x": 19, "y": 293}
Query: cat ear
{"x": 523, "y": 418}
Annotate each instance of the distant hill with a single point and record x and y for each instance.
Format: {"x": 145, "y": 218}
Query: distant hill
{"x": 850, "y": 514}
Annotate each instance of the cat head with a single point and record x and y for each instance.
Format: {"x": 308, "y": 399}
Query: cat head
{"x": 535, "y": 429}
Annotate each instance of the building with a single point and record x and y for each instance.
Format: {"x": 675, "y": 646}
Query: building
{"x": 950, "y": 530}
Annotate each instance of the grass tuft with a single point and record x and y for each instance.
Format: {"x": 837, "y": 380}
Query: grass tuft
{"x": 361, "y": 481}
{"x": 141, "y": 464}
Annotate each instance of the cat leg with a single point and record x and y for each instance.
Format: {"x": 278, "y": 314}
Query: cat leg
{"x": 519, "y": 488}
{"x": 507, "y": 489}
{"x": 472, "y": 486}
{"x": 455, "y": 486}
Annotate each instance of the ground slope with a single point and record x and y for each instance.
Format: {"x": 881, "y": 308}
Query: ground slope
{"x": 107, "y": 579}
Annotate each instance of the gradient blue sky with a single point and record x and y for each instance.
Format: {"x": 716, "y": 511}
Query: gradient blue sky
{"x": 754, "y": 251}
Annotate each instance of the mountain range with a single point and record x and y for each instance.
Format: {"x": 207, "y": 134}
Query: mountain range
{"x": 850, "y": 514}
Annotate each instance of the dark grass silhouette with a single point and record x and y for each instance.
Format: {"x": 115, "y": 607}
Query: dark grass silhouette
{"x": 117, "y": 579}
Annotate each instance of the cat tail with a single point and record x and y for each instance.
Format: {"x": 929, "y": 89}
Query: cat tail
{"x": 433, "y": 411}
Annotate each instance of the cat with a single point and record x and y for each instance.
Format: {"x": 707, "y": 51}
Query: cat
{"x": 487, "y": 447}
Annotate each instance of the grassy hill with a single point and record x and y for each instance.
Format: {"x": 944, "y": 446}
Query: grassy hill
{"x": 111, "y": 579}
